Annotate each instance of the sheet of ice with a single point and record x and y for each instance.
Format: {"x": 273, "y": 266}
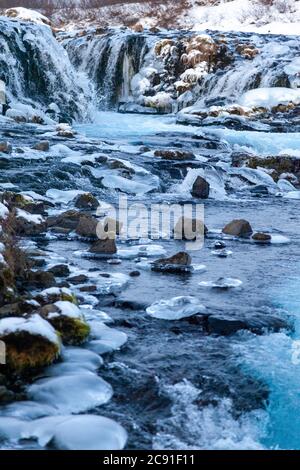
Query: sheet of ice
{"x": 141, "y": 250}
{"x": 261, "y": 143}
{"x": 71, "y": 393}
{"x": 292, "y": 195}
{"x": 11, "y": 428}
{"x": 105, "y": 339}
{"x": 27, "y": 410}
{"x": 90, "y": 433}
{"x": 269, "y": 97}
{"x": 63, "y": 197}
{"x": 35, "y": 325}
{"x": 175, "y": 308}
{"x": 130, "y": 186}
{"x": 222, "y": 283}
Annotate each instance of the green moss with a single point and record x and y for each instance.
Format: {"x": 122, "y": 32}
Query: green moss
{"x": 25, "y": 351}
{"x": 73, "y": 331}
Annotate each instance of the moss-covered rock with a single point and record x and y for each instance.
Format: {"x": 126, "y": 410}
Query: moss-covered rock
{"x": 30, "y": 343}
{"x": 67, "y": 319}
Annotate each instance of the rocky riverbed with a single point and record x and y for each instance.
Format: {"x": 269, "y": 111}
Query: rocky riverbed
{"x": 145, "y": 341}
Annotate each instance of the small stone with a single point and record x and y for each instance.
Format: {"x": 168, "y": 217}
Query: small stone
{"x": 262, "y": 237}
{"x": 5, "y": 147}
{"x": 107, "y": 246}
{"x": 42, "y": 146}
{"x": 86, "y": 201}
{"x": 134, "y": 274}
{"x": 200, "y": 188}
{"x": 80, "y": 279}
{"x": 238, "y": 228}
{"x": 219, "y": 245}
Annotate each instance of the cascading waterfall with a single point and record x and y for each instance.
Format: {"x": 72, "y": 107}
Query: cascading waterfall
{"x": 110, "y": 61}
{"x": 113, "y": 59}
{"x": 37, "y": 71}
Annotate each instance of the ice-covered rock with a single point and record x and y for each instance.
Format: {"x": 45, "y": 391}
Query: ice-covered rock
{"x": 71, "y": 393}
{"x": 176, "y": 308}
{"x": 222, "y": 283}
{"x": 105, "y": 339}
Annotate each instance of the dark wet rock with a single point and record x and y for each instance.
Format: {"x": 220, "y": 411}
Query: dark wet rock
{"x": 179, "y": 155}
{"x": 5, "y": 147}
{"x": 40, "y": 279}
{"x": 88, "y": 289}
{"x": 222, "y": 253}
{"x": 60, "y": 270}
{"x": 134, "y": 274}
{"x": 80, "y": 279}
{"x": 6, "y": 395}
{"x": 200, "y": 188}
{"x": 179, "y": 263}
{"x": 189, "y": 229}
{"x": 130, "y": 305}
{"x": 260, "y": 189}
{"x": 238, "y": 228}
{"x": 86, "y": 201}
{"x": 219, "y": 245}
{"x": 226, "y": 326}
{"x": 263, "y": 238}
{"x": 106, "y": 247}
{"x": 87, "y": 226}
{"x": 42, "y": 146}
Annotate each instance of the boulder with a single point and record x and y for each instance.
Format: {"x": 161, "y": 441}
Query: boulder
{"x": 181, "y": 262}
{"x": 67, "y": 221}
{"x": 79, "y": 279}
{"x": 105, "y": 247}
{"x": 189, "y": 229}
{"x": 200, "y": 188}
{"x": 86, "y": 201}
{"x": 40, "y": 279}
{"x": 31, "y": 342}
{"x": 60, "y": 270}
{"x": 87, "y": 227}
{"x": 42, "y": 146}
{"x": 238, "y": 228}
{"x": 28, "y": 224}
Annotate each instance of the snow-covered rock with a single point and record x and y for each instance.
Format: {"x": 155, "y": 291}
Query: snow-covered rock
{"x": 26, "y": 14}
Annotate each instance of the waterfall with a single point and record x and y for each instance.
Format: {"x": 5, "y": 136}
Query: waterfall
{"x": 126, "y": 67}
{"x": 110, "y": 61}
{"x": 37, "y": 71}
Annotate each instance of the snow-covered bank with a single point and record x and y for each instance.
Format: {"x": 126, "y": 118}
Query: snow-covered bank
{"x": 283, "y": 17}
